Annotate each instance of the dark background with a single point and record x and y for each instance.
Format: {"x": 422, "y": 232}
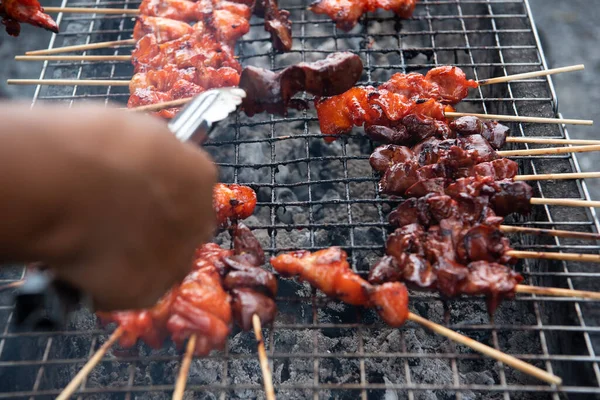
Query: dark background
{"x": 569, "y": 31}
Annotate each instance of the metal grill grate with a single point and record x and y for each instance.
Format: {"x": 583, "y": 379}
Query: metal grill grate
{"x": 313, "y": 195}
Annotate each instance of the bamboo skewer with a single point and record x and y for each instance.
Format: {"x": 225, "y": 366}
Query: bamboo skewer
{"x": 554, "y": 256}
{"x": 81, "y": 47}
{"x": 513, "y": 139}
{"x": 527, "y": 75}
{"x": 72, "y": 58}
{"x": 92, "y": 10}
{"x": 89, "y": 366}
{"x": 69, "y": 82}
{"x": 565, "y": 202}
{"x": 166, "y": 104}
{"x": 549, "y": 150}
{"x": 488, "y": 351}
{"x": 547, "y": 177}
{"x": 550, "y": 232}
{"x": 518, "y": 118}
{"x": 185, "y": 369}
{"x": 262, "y": 358}
{"x": 12, "y": 285}
{"x": 558, "y": 292}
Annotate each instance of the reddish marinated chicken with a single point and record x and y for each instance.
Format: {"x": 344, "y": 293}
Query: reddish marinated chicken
{"x": 223, "y": 286}
{"x": 163, "y": 29}
{"x": 14, "y": 12}
{"x": 171, "y": 83}
{"x": 233, "y": 203}
{"x": 446, "y": 84}
{"x": 202, "y": 308}
{"x": 199, "y": 49}
{"x": 405, "y": 109}
{"x": 346, "y": 13}
{"x": 328, "y": 270}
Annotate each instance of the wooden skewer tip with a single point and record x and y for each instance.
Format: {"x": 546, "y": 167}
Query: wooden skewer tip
{"x": 89, "y": 366}
{"x": 488, "y": 351}
{"x": 185, "y": 369}
{"x": 263, "y": 360}
{"x": 558, "y": 292}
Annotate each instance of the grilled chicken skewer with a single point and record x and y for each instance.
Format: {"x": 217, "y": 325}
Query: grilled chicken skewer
{"x": 328, "y": 270}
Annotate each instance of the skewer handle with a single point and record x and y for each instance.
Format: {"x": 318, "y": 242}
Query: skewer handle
{"x": 584, "y": 294}
{"x": 92, "y": 10}
{"x": 565, "y": 202}
{"x": 515, "y": 139}
{"x": 12, "y": 285}
{"x": 262, "y": 357}
{"x": 488, "y": 351}
{"x": 68, "y": 82}
{"x": 82, "y": 47}
{"x": 185, "y": 369}
{"x": 548, "y": 177}
{"x": 528, "y": 75}
{"x": 72, "y": 58}
{"x": 518, "y": 118}
{"x": 555, "y": 256}
{"x": 549, "y": 150}
{"x": 550, "y": 232}
{"x": 89, "y": 366}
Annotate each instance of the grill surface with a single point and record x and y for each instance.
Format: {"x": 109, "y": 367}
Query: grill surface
{"x": 313, "y": 195}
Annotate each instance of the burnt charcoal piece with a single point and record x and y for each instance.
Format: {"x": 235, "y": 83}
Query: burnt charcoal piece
{"x": 246, "y": 302}
{"x": 277, "y": 23}
{"x": 512, "y": 197}
{"x": 273, "y": 91}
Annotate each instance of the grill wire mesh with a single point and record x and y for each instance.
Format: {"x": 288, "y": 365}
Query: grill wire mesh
{"x": 313, "y": 195}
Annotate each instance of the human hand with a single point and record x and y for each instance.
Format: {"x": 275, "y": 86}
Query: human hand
{"x": 109, "y": 199}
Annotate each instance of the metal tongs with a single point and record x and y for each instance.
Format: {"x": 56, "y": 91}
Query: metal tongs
{"x": 44, "y": 303}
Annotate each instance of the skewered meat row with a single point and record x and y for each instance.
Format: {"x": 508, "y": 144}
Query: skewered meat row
{"x": 328, "y": 270}
{"x": 406, "y": 108}
{"x": 15, "y": 12}
{"x": 172, "y": 61}
{"x": 277, "y": 21}
{"x": 224, "y": 285}
{"x": 203, "y": 58}
{"x": 273, "y": 91}
{"x": 266, "y": 90}
{"x": 346, "y": 13}
{"x": 452, "y": 246}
